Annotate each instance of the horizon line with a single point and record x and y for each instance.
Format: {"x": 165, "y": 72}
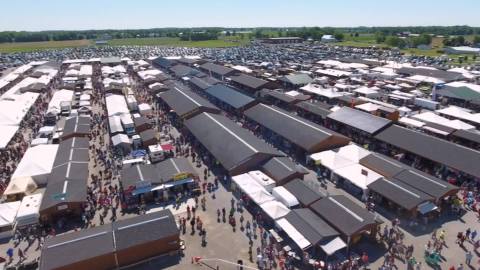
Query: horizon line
{"x": 237, "y": 27}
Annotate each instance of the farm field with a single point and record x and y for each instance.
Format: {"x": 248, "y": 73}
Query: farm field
{"x": 42, "y": 45}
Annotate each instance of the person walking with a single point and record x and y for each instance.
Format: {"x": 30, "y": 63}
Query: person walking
{"x": 473, "y": 235}
{"x": 468, "y": 257}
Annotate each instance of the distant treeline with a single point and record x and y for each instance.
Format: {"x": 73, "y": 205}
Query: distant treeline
{"x": 213, "y": 33}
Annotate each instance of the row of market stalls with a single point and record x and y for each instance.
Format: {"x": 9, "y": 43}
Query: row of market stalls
{"x": 445, "y": 155}
{"x": 283, "y": 127}
{"x": 393, "y": 183}
{"x": 19, "y": 214}
{"x": 119, "y": 244}
{"x": 157, "y": 182}
{"x": 303, "y": 219}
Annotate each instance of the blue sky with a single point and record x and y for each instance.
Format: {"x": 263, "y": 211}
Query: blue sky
{"x": 122, "y": 14}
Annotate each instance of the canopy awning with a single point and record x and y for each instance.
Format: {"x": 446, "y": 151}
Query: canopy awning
{"x": 333, "y": 246}
{"x": 283, "y": 195}
{"x": 427, "y": 207}
{"x": 275, "y": 209}
{"x": 295, "y": 235}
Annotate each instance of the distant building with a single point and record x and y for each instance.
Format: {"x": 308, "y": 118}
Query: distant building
{"x": 328, "y": 38}
{"x": 462, "y": 50}
{"x": 282, "y": 40}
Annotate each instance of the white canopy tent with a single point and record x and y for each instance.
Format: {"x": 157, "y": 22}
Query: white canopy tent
{"x": 284, "y": 196}
{"x": 29, "y": 211}
{"x": 37, "y": 163}
{"x": 331, "y": 160}
{"x": 254, "y": 190}
{"x": 20, "y": 186}
{"x": 7, "y": 134}
{"x": 8, "y": 212}
{"x": 358, "y": 175}
{"x": 275, "y": 209}
{"x": 144, "y": 108}
{"x": 353, "y": 152}
{"x": 295, "y": 235}
{"x": 333, "y": 246}
{"x": 263, "y": 179}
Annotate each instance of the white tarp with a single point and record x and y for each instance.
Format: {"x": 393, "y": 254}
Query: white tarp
{"x": 28, "y": 213}
{"x": 411, "y": 122}
{"x": 283, "y": 195}
{"x": 353, "y": 152}
{"x": 295, "y": 235}
{"x": 116, "y": 105}
{"x": 331, "y": 160}
{"x": 20, "y": 185}
{"x": 120, "y": 139}
{"x": 333, "y": 246}
{"x": 6, "y": 135}
{"x": 254, "y": 190}
{"x": 275, "y": 209}
{"x": 358, "y": 175}
{"x": 8, "y": 212}
{"x": 144, "y": 108}
{"x": 264, "y": 180}
{"x": 115, "y": 124}
{"x": 37, "y": 163}
{"x": 59, "y": 97}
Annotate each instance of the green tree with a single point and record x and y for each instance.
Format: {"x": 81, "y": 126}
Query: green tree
{"x": 395, "y": 41}
{"x": 339, "y": 36}
{"x": 476, "y": 40}
{"x": 380, "y": 37}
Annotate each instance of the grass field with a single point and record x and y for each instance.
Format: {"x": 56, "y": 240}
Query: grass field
{"x": 163, "y": 41}
{"x": 362, "y": 41}
{"x": 176, "y": 42}
{"x": 33, "y": 46}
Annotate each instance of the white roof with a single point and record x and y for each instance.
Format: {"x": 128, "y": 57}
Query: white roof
{"x": 333, "y": 246}
{"x": 283, "y": 195}
{"x": 431, "y": 117}
{"x": 28, "y": 213}
{"x": 420, "y": 78}
{"x": 368, "y": 107}
{"x": 39, "y": 141}
{"x": 116, "y": 105}
{"x": 36, "y": 161}
{"x": 59, "y": 97}
{"x": 333, "y": 72}
{"x": 353, "y": 174}
{"x": 14, "y": 107}
{"x": 366, "y": 91}
{"x": 6, "y": 135}
{"x": 353, "y": 152}
{"x": 262, "y": 179}
{"x": 411, "y": 122}
{"x": 120, "y": 138}
{"x": 20, "y": 185}
{"x": 8, "y": 212}
{"x": 466, "y": 49}
{"x": 115, "y": 124}
{"x": 242, "y": 69}
{"x": 460, "y": 113}
{"x": 275, "y": 209}
{"x": 252, "y": 188}
{"x": 293, "y": 233}
{"x": 325, "y": 92}
{"x": 331, "y": 160}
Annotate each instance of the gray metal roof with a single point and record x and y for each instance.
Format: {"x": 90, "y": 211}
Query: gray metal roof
{"x": 304, "y": 194}
{"x": 185, "y": 102}
{"x": 229, "y": 96}
{"x": 312, "y": 137}
{"x": 363, "y": 121}
{"x": 343, "y": 214}
{"x": 229, "y": 143}
{"x": 432, "y": 148}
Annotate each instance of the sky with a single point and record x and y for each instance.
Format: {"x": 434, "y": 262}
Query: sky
{"x": 36, "y": 15}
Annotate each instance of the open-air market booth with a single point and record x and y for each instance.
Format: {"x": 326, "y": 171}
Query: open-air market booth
{"x": 264, "y": 180}
{"x": 309, "y": 233}
{"x": 347, "y": 217}
{"x": 115, "y": 124}
{"x": 112, "y": 246}
{"x": 282, "y": 170}
{"x": 185, "y": 103}
{"x": 144, "y": 183}
{"x": 251, "y": 188}
{"x": 274, "y": 209}
{"x": 240, "y": 150}
{"x": 304, "y": 193}
{"x": 8, "y": 212}
{"x": 144, "y": 109}
{"x": 122, "y": 143}
{"x": 356, "y": 179}
{"x": 29, "y": 211}
{"x": 400, "y": 196}
{"x": 282, "y": 195}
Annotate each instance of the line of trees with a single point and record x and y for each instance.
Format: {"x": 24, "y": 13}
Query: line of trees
{"x": 381, "y": 33}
